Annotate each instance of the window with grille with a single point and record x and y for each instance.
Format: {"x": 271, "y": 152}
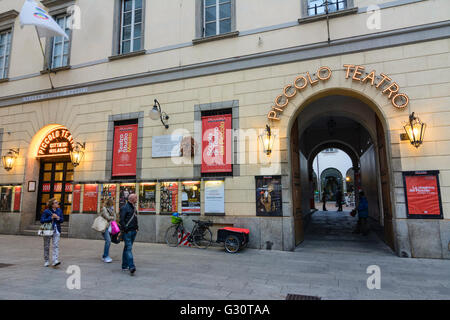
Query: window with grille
{"x": 316, "y": 7}
{"x": 61, "y": 46}
{"x": 217, "y": 17}
{"x": 5, "y": 51}
{"x": 131, "y": 29}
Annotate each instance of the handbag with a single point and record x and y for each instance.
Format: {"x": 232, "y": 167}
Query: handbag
{"x": 114, "y": 227}
{"x": 46, "y": 230}
{"x": 100, "y": 224}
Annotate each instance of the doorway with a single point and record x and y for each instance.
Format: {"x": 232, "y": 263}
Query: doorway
{"x": 55, "y": 181}
{"x": 351, "y": 125}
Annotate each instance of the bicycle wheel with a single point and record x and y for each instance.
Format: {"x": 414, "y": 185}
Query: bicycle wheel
{"x": 172, "y": 235}
{"x": 202, "y": 238}
{"x": 232, "y": 244}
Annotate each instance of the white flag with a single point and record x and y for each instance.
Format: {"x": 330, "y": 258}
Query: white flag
{"x": 31, "y": 14}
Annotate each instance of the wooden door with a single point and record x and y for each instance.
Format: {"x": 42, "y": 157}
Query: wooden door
{"x": 385, "y": 187}
{"x": 296, "y": 186}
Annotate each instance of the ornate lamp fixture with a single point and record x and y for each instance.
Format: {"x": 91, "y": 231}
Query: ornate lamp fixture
{"x": 10, "y": 158}
{"x": 77, "y": 154}
{"x": 267, "y": 139}
{"x": 156, "y": 113}
{"x": 415, "y": 130}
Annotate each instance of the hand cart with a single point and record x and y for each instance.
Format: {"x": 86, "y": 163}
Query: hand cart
{"x": 233, "y": 238}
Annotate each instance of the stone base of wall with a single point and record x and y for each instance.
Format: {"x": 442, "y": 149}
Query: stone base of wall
{"x": 9, "y": 222}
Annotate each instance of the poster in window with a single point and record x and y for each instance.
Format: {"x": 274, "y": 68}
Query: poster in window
{"x": 17, "y": 198}
{"x": 268, "y": 196}
{"x": 124, "y": 192}
{"x": 5, "y": 198}
{"x": 422, "y": 191}
{"x": 169, "y": 197}
{"x": 190, "y": 197}
{"x": 108, "y": 191}
{"x": 147, "y": 197}
{"x": 90, "y": 196}
{"x": 215, "y": 197}
{"x": 216, "y": 144}
{"x": 76, "y": 196}
{"x": 125, "y": 150}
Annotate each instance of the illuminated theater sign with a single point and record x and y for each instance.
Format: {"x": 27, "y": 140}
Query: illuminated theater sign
{"x": 58, "y": 142}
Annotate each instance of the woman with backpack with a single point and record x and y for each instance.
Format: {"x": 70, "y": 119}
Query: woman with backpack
{"x": 53, "y": 214}
{"x": 102, "y": 224}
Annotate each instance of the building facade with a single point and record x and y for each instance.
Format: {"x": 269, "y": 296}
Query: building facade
{"x": 348, "y": 79}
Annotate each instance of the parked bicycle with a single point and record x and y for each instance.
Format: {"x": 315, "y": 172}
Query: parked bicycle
{"x": 200, "y": 236}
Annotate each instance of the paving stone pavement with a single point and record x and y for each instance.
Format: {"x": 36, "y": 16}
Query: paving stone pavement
{"x": 330, "y": 269}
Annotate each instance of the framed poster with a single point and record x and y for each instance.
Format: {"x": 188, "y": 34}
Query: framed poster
{"x": 147, "y": 197}
{"x": 190, "y": 197}
{"x": 76, "y": 197}
{"x": 17, "y": 198}
{"x": 169, "y": 197}
{"x": 125, "y": 150}
{"x": 423, "y": 194}
{"x": 216, "y": 144}
{"x": 31, "y": 186}
{"x": 90, "y": 196}
{"x": 215, "y": 197}
{"x": 108, "y": 191}
{"x": 125, "y": 190}
{"x": 6, "y": 198}
{"x": 268, "y": 196}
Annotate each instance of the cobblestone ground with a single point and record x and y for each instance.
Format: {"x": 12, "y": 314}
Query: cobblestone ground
{"x": 331, "y": 263}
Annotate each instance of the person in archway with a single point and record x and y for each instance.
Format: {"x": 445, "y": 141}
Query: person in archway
{"x": 339, "y": 199}
{"x": 363, "y": 214}
{"x": 324, "y": 200}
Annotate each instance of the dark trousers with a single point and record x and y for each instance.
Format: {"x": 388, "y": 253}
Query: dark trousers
{"x": 324, "y": 208}
{"x": 127, "y": 256}
{"x": 339, "y": 203}
{"x": 362, "y": 226}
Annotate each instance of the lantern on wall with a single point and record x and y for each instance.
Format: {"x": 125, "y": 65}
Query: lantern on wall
{"x": 156, "y": 113}
{"x": 9, "y": 159}
{"x": 415, "y": 130}
{"x": 77, "y": 154}
{"x": 267, "y": 139}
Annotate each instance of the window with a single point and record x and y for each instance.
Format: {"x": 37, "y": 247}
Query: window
{"x": 316, "y": 7}
{"x": 131, "y": 27}
{"x": 60, "y": 45}
{"x": 217, "y": 17}
{"x": 5, "y": 50}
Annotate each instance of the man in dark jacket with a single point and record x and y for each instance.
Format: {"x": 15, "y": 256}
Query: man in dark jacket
{"x": 129, "y": 228}
{"x": 339, "y": 199}
{"x": 363, "y": 214}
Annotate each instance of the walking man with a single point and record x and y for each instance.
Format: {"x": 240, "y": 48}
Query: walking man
{"x": 129, "y": 228}
{"x": 339, "y": 199}
{"x": 324, "y": 201}
{"x": 363, "y": 214}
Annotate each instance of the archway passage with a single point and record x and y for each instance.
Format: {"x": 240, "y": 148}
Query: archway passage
{"x": 348, "y": 124}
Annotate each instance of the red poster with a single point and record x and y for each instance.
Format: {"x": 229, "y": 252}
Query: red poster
{"x": 17, "y": 196}
{"x": 169, "y": 197}
{"x": 76, "y": 198}
{"x": 125, "y": 150}
{"x": 90, "y": 198}
{"x": 423, "y": 195}
{"x": 216, "y": 143}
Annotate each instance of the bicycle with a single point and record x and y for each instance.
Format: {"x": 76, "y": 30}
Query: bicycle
{"x": 200, "y": 236}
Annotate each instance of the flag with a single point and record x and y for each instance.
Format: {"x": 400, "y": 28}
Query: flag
{"x": 33, "y": 15}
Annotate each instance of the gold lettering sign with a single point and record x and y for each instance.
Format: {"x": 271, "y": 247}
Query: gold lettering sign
{"x": 355, "y": 72}
{"x": 57, "y": 142}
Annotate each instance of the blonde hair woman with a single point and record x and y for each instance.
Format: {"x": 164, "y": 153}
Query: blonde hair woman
{"x": 109, "y": 215}
{"x": 54, "y": 215}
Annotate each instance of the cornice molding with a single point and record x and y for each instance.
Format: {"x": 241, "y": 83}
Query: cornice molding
{"x": 8, "y": 15}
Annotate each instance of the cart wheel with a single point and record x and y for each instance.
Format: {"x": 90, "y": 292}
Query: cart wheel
{"x": 232, "y": 244}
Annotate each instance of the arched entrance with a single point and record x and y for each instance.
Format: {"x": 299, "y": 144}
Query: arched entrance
{"x": 341, "y": 118}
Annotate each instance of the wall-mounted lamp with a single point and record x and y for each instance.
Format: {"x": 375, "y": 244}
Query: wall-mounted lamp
{"x": 156, "y": 114}
{"x": 415, "y": 130}
{"x": 10, "y": 158}
{"x": 77, "y": 154}
{"x": 267, "y": 139}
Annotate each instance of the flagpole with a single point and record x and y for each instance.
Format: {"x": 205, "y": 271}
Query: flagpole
{"x": 45, "y": 61}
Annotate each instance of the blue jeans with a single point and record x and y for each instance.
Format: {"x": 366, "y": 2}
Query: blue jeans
{"x": 127, "y": 256}
{"x": 107, "y": 237}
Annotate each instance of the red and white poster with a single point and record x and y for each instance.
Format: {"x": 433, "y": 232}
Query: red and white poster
{"x": 90, "y": 198}
{"x": 125, "y": 150}
{"x": 216, "y": 143}
{"x": 422, "y": 194}
{"x": 17, "y": 197}
{"x": 76, "y": 198}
